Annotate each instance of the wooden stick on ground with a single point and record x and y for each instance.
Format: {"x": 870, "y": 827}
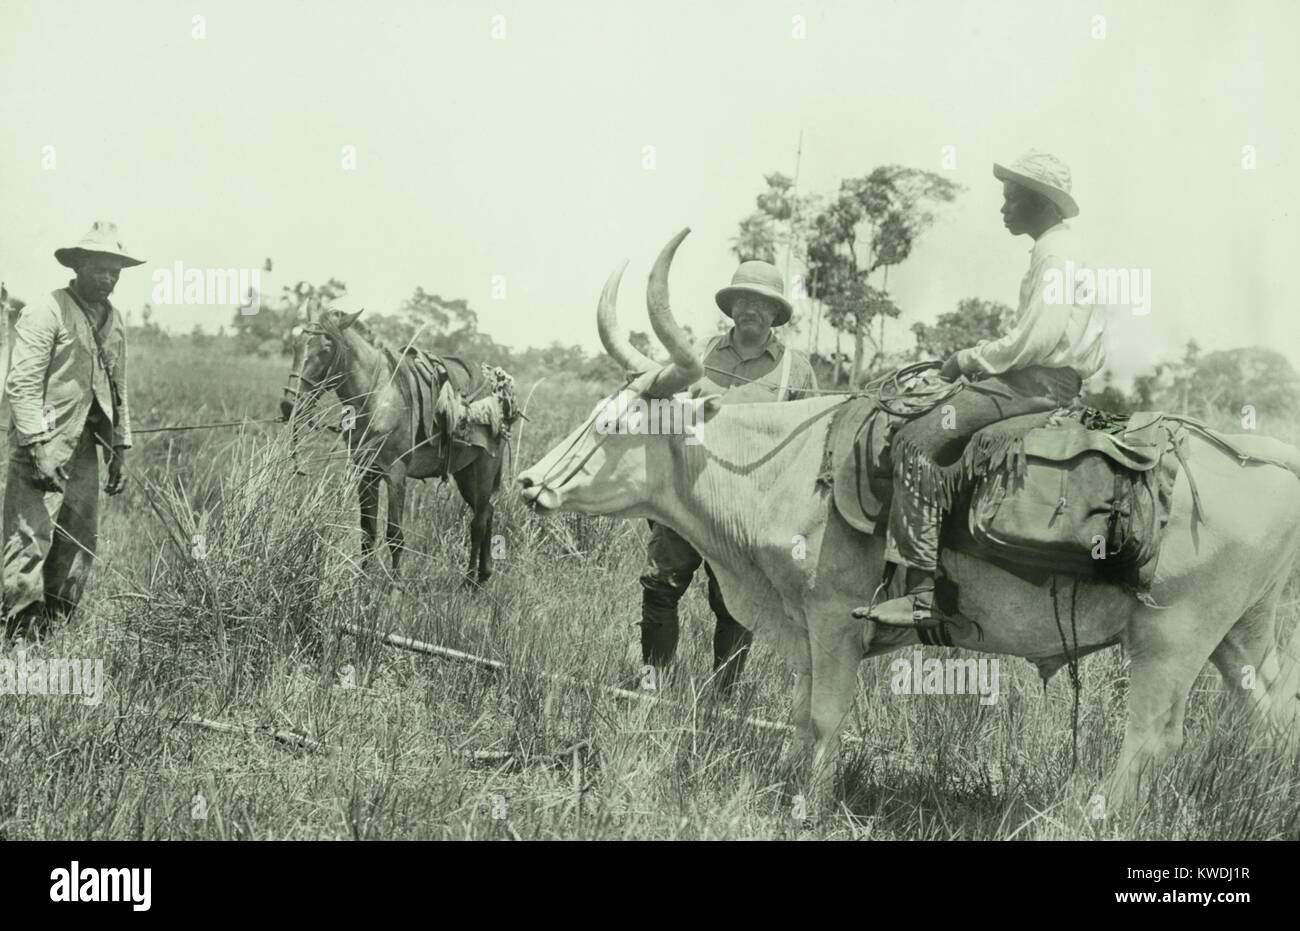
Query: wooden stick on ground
{"x": 432, "y": 649}
{"x": 285, "y": 737}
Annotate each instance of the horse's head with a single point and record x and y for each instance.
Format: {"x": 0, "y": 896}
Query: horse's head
{"x": 318, "y": 363}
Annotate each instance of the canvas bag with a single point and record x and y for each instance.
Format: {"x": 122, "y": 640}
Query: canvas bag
{"x": 1067, "y": 505}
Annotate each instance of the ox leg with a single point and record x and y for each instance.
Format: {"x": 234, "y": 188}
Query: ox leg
{"x": 1164, "y": 662}
{"x": 801, "y": 718}
{"x": 1284, "y": 687}
{"x": 396, "y": 510}
{"x": 795, "y": 763}
{"x": 1264, "y": 678}
{"x": 836, "y": 655}
{"x": 369, "y": 493}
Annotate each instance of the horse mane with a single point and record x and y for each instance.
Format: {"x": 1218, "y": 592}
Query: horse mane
{"x": 330, "y": 323}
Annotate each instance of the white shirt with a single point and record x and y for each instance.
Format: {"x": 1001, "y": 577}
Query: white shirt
{"x": 1050, "y": 330}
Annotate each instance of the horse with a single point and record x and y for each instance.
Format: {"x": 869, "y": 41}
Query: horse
{"x": 387, "y": 427}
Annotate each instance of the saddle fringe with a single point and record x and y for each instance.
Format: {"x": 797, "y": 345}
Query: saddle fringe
{"x": 986, "y": 452}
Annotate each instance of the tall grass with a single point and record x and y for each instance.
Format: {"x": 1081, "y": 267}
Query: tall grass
{"x": 246, "y": 629}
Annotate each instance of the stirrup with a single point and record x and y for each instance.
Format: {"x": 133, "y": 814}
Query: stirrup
{"x": 936, "y": 617}
{"x": 863, "y": 613}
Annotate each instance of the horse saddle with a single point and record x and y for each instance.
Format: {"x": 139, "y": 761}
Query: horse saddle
{"x": 433, "y": 387}
{"x": 1037, "y": 490}
{"x": 453, "y": 404}
{"x": 466, "y": 380}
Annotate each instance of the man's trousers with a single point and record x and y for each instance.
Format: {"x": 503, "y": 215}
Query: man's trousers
{"x": 671, "y": 563}
{"x": 928, "y": 449}
{"x": 50, "y": 536}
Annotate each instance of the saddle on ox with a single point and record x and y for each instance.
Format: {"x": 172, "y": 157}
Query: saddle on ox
{"x": 452, "y": 404}
{"x": 1072, "y": 491}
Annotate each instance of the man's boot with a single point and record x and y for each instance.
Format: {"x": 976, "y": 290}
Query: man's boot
{"x": 31, "y": 624}
{"x": 659, "y": 633}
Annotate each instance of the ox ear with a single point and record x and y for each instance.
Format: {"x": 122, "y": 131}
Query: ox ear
{"x": 349, "y": 319}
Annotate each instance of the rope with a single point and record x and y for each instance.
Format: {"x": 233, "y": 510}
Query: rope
{"x": 179, "y": 428}
{"x": 876, "y": 388}
{"x": 1072, "y": 663}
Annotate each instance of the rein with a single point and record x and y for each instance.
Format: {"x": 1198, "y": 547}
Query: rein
{"x": 590, "y": 423}
{"x": 892, "y": 395}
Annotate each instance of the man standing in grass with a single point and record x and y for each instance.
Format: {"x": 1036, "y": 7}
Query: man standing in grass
{"x": 66, "y": 389}
{"x": 748, "y": 364}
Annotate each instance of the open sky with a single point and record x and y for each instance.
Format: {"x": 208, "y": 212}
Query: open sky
{"x": 524, "y": 156}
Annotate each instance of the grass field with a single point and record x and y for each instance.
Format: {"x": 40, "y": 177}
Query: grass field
{"x": 416, "y": 745}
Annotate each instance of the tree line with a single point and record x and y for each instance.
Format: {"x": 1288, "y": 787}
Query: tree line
{"x": 837, "y": 251}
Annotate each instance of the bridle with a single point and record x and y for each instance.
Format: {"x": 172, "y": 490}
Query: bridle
{"x": 331, "y": 380}
{"x": 543, "y": 484}
{"x": 587, "y": 427}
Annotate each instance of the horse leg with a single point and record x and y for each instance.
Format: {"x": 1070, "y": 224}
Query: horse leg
{"x": 396, "y": 508}
{"x": 1263, "y": 677}
{"x": 488, "y": 469}
{"x": 471, "y": 491}
{"x": 1165, "y": 660}
{"x": 368, "y": 490}
{"x": 485, "y": 542}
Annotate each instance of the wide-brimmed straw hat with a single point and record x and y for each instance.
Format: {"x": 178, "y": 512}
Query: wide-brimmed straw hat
{"x": 103, "y": 239}
{"x": 1044, "y": 173}
{"x": 761, "y": 278}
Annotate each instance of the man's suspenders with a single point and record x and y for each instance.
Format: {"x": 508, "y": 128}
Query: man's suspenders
{"x": 784, "y": 389}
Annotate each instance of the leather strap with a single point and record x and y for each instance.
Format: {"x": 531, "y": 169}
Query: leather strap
{"x": 783, "y": 389}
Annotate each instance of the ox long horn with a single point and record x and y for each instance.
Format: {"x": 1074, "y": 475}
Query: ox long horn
{"x": 686, "y": 367}
{"x": 612, "y": 336}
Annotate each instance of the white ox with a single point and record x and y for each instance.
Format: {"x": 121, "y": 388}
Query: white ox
{"x": 746, "y": 496}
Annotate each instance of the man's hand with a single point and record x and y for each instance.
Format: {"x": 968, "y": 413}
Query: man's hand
{"x": 45, "y": 474}
{"x": 116, "y": 480}
{"x": 951, "y": 371}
